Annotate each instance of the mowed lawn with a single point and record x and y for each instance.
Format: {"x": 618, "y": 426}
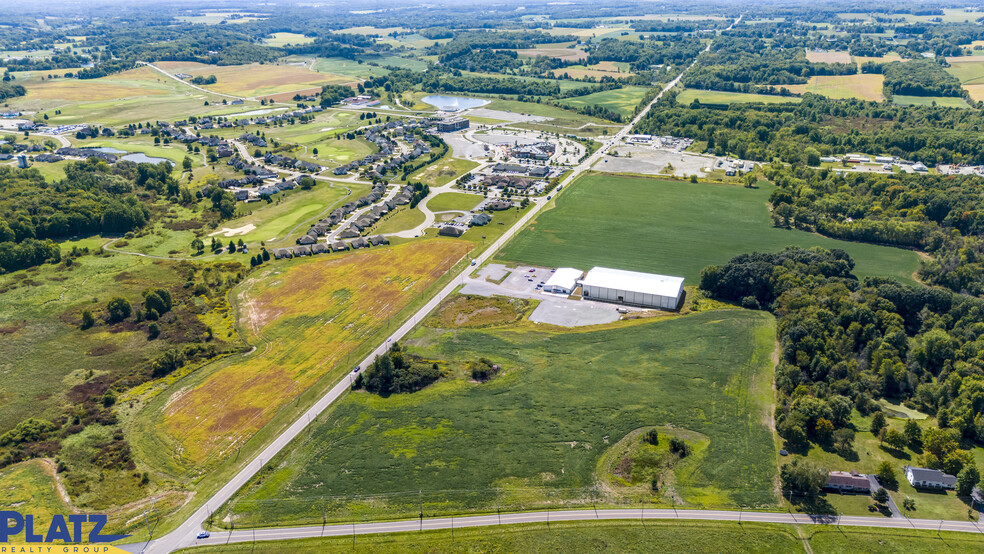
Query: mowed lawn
{"x": 453, "y": 201}
{"x": 535, "y": 433}
{"x": 673, "y": 228}
{"x": 306, "y": 316}
{"x": 716, "y": 97}
{"x": 623, "y": 100}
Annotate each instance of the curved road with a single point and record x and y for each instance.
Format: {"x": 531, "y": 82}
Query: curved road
{"x": 638, "y": 514}
{"x": 154, "y": 67}
{"x": 184, "y": 534}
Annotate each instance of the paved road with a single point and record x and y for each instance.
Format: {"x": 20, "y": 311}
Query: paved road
{"x": 184, "y": 534}
{"x": 639, "y": 514}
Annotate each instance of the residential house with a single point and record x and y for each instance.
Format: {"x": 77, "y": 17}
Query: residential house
{"x": 848, "y": 482}
{"x": 921, "y": 477}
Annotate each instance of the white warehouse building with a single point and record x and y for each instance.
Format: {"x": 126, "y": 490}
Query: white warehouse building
{"x": 632, "y": 288}
{"x": 563, "y": 280}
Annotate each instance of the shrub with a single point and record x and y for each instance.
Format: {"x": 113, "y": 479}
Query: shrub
{"x": 29, "y": 430}
{"x": 652, "y": 437}
{"x": 87, "y": 319}
{"x": 118, "y": 309}
{"x": 680, "y": 447}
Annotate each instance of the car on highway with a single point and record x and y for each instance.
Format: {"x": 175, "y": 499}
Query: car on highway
{"x": 203, "y": 535}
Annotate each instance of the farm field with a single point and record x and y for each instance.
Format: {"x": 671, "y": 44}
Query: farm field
{"x": 687, "y": 96}
{"x": 564, "y": 84}
{"x": 280, "y": 40}
{"x": 946, "y": 102}
{"x": 309, "y": 319}
{"x": 890, "y": 57}
{"x": 222, "y": 17}
{"x": 140, "y": 94}
{"x": 598, "y": 70}
{"x": 558, "y": 50}
{"x": 603, "y": 219}
{"x": 862, "y": 86}
{"x": 559, "y": 117}
{"x": 968, "y": 72}
{"x": 447, "y": 201}
{"x": 256, "y": 79}
{"x": 814, "y": 56}
{"x": 397, "y": 61}
{"x": 348, "y": 68}
{"x": 536, "y": 432}
{"x": 443, "y": 171}
{"x": 623, "y": 100}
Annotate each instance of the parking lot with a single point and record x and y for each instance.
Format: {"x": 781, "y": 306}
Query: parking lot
{"x": 554, "y": 309}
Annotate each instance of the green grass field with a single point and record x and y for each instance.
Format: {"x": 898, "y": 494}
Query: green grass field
{"x": 535, "y": 433}
{"x": 674, "y": 228}
{"x": 402, "y": 219}
{"x": 453, "y": 201}
{"x": 443, "y": 171}
{"x": 349, "y": 68}
{"x": 945, "y": 102}
{"x": 863, "y": 86}
{"x": 687, "y": 96}
{"x": 279, "y": 40}
{"x": 623, "y": 100}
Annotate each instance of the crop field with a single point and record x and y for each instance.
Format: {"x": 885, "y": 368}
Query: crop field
{"x": 559, "y": 50}
{"x": 256, "y": 79}
{"x": 397, "y": 61}
{"x": 863, "y": 86}
{"x": 976, "y": 92}
{"x": 140, "y": 94}
{"x": 222, "y": 17}
{"x": 453, "y": 201}
{"x": 942, "y": 101}
{"x": 279, "y": 40}
{"x": 352, "y": 69}
{"x": 623, "y": 100}
{"x": 443, "y": 171}
{"x": 814, "y": 56}
{"x": 598, "y": 70}
{"x": 687, "y": 96}
{"x": 647, "y": 224}
{"x": 535, "y": 433}
{"x": 307, "y": 318}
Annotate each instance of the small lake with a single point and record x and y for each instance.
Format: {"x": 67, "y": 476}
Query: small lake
{"x": 453, "y": 103}
{"x": 106, "y": 149}
{"x": 141, "y": 158}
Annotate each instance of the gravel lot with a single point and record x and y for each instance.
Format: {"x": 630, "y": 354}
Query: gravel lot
{"x": 649, "y": 161}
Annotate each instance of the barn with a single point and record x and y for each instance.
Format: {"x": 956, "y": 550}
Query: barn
{"x": 563, "y": 280}
{"x": 632, "y": 288}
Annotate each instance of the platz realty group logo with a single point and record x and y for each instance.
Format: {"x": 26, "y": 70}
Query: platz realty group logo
{"x": 18, "y": 534}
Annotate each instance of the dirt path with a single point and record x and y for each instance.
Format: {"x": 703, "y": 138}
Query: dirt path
{"x": 51, "y": 469}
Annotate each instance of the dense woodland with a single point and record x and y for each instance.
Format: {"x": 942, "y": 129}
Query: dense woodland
{"x": 766, "y": 131}
{"x": 845, "y": 343}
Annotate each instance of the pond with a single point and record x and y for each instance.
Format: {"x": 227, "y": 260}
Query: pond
{"x": 453, "y": 103}
{"x": 256, "y": 112}
{"x": 141, "y": 158}
{"x": 106, "y": 149}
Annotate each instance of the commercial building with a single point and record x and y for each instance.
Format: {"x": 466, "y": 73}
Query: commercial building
{"x": 452, "y": 124}
{"x": 563, "y": 281}
{"x": 632, "y": 288}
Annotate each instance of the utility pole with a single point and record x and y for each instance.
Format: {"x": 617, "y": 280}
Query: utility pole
{"x": 420, "y": 496}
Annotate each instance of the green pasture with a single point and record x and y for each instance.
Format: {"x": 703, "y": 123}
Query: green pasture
{"x": 623, "y": 100}
{"x": 402, "y": 219}
{"x": 279, "y": 40}
{"x": 443, "y": 171}
{"x": 348, "y": 68}
{"x": 941, "y": 101}
{"x": 687, "y": 96}
{"x": 673, "y": 228}
{"x": 535, "y": 433}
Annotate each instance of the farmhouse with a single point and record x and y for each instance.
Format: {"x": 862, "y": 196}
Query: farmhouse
{"x": 563, "y": 281}
{"x": 633, "y": 288}
{"x": 452, "y": 124}
{"x": 922, "y": 477}
{"x": 848, "y": 481}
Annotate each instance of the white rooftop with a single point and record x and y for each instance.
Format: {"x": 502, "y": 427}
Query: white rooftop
{"x": 564, "y": 277}
{"x": 645, "y": 283}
